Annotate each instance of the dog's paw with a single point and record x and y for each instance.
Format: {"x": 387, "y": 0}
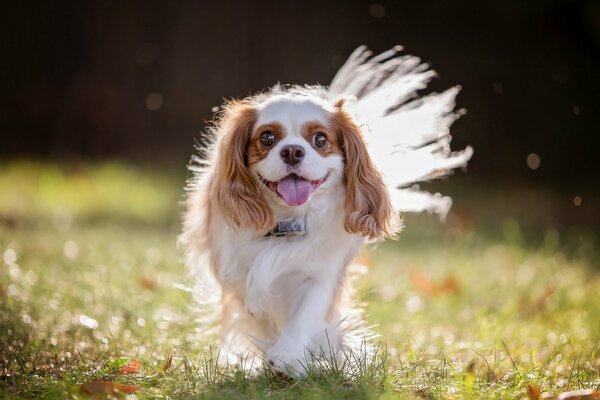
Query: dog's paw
{"x": 287, "y": 357}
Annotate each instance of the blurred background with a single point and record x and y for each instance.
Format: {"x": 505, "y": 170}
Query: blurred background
{"x": 98, "y": 79}
{"x": 101, "y": 104}
{"x": 136, "y": 81}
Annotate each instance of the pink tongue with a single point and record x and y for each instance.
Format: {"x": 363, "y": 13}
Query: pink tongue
{"x": 294, "y": 190}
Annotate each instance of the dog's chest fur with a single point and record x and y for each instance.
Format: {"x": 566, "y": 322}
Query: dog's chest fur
{"x": 267, "y": 271}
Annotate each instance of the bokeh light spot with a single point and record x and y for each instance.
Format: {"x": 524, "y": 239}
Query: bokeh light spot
{"x": 154, "y": 101}
{"x": 377, "y": 10}
{"x": 577, "y": 201}
{"x": 88, "y": 322}
{"x": 10, "y": 256}
{"x": 70, "y": 249}
{"x": 533, "y": 161}
{"x": 414, "y": 304}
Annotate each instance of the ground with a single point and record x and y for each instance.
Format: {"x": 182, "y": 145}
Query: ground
{"x": 93, "y": 288}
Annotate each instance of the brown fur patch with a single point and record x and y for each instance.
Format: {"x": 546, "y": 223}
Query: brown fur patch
{"x": 233, "y": 186}
{"x": 257, "y": 151}
{"x": 311, "y": 129}
{"x": 368, "y": 208}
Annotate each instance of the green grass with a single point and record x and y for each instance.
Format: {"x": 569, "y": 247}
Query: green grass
{"x": 90, "y": 278}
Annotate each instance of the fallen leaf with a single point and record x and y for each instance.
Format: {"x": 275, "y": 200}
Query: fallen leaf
{"x": 131, "y": 368}
{"x": 167, "y": 364}
{"x": 450, "y": 284}
{"x": 104, "y": 387}
{"x": 583, "y": 394}
{"x": 533, "y": 392}
{"x": 421, "y": 282}
{"x": 148, "y": 282}
{"x": 426, "y": 287}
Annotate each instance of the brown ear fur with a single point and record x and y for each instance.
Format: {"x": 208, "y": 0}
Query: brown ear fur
{"x": 234, "y": 188}
{"x": 368, "y": 208}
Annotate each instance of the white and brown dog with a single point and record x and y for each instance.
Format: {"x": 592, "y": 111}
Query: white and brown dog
{"x": 292, "y": 187}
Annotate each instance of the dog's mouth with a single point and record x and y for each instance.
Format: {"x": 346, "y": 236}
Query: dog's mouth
{"x": 293, "y": 188}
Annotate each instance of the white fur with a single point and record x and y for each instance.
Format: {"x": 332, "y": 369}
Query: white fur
{"x": 277, "y": 293}
{"x": 292, "y": 112}
{"x": 288, "y": 284}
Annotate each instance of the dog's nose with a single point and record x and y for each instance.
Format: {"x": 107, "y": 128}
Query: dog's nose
{"x": 292, "y": 154}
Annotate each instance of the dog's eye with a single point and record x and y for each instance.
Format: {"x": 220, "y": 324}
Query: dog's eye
{"x": 267, "y": 138}
{"x": 320, "y": 140}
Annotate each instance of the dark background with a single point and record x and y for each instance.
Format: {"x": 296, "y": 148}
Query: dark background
{"x": 75, "y": 76}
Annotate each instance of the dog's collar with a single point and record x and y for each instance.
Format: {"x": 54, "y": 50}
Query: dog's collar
{"x": 288, "y": 228}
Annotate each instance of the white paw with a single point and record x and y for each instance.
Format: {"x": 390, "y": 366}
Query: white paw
{"x": 288, "y": 357}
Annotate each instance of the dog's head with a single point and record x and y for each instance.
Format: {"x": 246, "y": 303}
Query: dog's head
{"x": 282, "y": 149}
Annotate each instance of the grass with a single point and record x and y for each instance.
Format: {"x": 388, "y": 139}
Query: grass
{"x": 91, "y": 279}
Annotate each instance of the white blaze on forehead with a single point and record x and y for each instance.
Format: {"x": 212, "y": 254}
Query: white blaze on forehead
{"x": 293, "y": 111}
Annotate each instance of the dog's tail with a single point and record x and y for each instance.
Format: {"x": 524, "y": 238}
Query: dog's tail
{"x": 408, "y": 136}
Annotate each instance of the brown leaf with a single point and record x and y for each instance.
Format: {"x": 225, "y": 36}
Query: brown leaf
{"x": 426, "y": 287}
{"x": 167, "y": 364}
{"x": 103, "y": 387}
{"x": 583, "y": 394}
{"x": 131, "y": 368}
{"x": 421, "y": 282}
{"x": 148, "y": 282}
{"x": 533, "y": 392}
{"x": 449, "y": 285}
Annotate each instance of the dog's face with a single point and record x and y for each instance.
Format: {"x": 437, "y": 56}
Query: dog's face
{"x": 293, "y": 149}
{"x": 283, "y": 150}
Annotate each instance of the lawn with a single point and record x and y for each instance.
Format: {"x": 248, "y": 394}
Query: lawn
{"x": 499, "y": 298}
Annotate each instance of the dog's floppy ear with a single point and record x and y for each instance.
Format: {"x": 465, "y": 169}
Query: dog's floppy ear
{"x": 236, "y": 191}
{"x": 368, "y": 209}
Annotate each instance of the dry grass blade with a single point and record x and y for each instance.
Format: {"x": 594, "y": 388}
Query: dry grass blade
{"x": 167, "y": 363}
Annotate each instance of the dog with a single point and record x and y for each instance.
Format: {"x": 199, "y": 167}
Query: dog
{"x": 293, "y": 182}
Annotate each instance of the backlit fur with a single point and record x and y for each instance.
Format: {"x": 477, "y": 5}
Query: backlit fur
{"x": 285, "y": 298}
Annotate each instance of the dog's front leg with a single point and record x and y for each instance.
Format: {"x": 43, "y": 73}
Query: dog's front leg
{"x": 309, "y": 307}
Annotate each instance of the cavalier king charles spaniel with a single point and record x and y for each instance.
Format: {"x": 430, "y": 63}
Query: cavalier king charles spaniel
{"x": 294, "y": 181}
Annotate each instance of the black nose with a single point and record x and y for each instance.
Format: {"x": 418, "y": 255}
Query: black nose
{"x": 292, "y": 154}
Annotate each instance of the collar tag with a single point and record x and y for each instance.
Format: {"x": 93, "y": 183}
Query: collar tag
{"x": 288, "y": 228}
